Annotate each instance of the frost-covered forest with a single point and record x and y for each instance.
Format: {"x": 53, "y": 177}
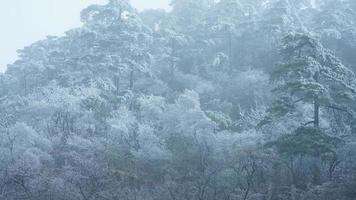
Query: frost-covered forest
{"x": 214, "y": 100}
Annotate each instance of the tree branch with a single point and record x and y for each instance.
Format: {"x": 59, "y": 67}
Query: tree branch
{"x": 340, "y": 109}
{"x": 306, "y": 124}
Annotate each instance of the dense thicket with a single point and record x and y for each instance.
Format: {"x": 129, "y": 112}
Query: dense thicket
{"x": 228, "y": 100}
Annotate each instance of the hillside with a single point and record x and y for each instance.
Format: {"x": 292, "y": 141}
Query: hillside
{"x": 229, "y": 99}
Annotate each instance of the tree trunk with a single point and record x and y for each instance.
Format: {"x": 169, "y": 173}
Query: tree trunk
{"x": 131, "y": 80}
{"x": 230, "y": 50}
{"x": 316, "y": 113}
{"x": 117, "y": 84}
{"x": 173, "y": 57}
{"x": 316, "y": 104}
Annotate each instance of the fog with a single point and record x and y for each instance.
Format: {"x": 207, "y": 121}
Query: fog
{"x": 25, "y": 21}
{"x": 203, "y": 100}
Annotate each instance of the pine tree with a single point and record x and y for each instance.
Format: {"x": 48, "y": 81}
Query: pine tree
{"x": 310, "y": 74}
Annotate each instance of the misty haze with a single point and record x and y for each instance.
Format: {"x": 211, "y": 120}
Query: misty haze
{"x": 178, "y": 100}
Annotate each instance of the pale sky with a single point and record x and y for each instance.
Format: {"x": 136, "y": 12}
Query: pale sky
{"x": 26, "y": 21}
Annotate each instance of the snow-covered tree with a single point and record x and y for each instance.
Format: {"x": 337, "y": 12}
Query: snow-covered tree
{"x": 311, "y": 74}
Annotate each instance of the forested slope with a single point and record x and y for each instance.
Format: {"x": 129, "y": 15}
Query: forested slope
{"x": 228, "y": 100}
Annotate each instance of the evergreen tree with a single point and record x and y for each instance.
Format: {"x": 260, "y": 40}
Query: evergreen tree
{"x": 311, "y": 74}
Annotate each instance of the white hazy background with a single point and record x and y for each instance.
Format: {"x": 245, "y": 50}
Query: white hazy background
{"x": 26, "y": 21}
